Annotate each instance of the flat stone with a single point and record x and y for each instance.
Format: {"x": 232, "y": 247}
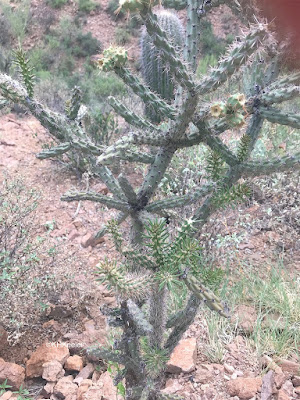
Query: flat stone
{"x": 244, "y": 388}
{"x": 83, "y": 388}
{"x": 13, "y": 373}
{"x": 289, "y": 366}
{"x": 66, "y": 389}
{"x": 85, "y": 373}
{"x": 184, "y": 357}
{"x": 44, "y": 353}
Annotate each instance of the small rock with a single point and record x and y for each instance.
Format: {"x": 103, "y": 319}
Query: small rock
{"x": 109, "y": 390}
{"x": 204, "y": 373}
{"x": 269, "y": 363}
{"x": 279, "y": 378}
{"x": 288, "y": 388}
{"x": 73, "y": 234}
{"x": 65, "y": 388}
{"x": 204, "y": 386}
{"x": 6, "y": 396}
{"x": 13, "y": 373}
{"x": 52, "y": 371}
{"x": 93, "y": 393}
{"x": 297, "y": 390}
{"x": 183, "y": 358}
{"x": 74, "y": 363}
{"x": 244, "y": 388}
{"x": 172, "y": 386}
{"x": 48, "y": 389}
{"x": 282, "y": 395}
{"x": 246, "y": 317}
{"x": 89, "y": 240}
{"x": 228, "y": 368}
{"x": 44, "y": 353}
{"x": 289, "y": 366}
{"x": 83, "y": 388}
{"x": 234, "y": 375}
{"x": 85, "y": 373}
{"x": 267, "y": 388}
{"x": 296, "y": 380}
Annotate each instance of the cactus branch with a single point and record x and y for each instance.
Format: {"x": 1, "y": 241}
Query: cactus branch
{"x": 233, "y": 60}
{"x": 145, "y": 93}
{"x": 97, "y": 198}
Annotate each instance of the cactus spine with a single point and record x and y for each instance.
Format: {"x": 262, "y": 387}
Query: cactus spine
{"x": 156, "y": 73}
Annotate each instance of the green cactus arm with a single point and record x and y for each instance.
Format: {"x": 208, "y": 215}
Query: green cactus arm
{"x": 73, "y": 105}
{"x": 180, "y": 201}
{"x": 128, "y": 287}
{"x": 97, "y": 198}
{"x": 133, "y": 256}
{"x": 100, "y": 353}
{"x": 280, "y": 95}
{"x": 111, "y": 182}
{"x": 216, "y": 144}
{"x": 155, "y": 174}
{"x": 145, "y": 93}
{"x": 187, "y": 317}
{"x": 142, "y": 326}
{"x": 85, "y": 145}
{"x": 232, "y": 176}
{"x": 236, "y": 57}
{"x": 135, "y": 156}
{"x": 258, "y": 168}
{"x": 130, "y": 116}
{"x": 192, "y": 39}
{"x": 54, "y": 151}
{"x": 279, "y": 117}
{"x": 177, "y": 4}
{"x": 127, "y": 189}
{"x": 121, "y": 152}
{"x": 203, "y": 293}
{"x": 121, "y": 217}
{"x": 292, "y": 79}
{"x": 168, "y": 52}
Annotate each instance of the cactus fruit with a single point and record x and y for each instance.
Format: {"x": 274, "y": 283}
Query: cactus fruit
{"x": 232, "y": 110}
{"x": 113, "y": 57}
{"x": 154, "y": 70}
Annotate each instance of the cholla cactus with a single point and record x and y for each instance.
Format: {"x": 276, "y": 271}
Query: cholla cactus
{"x": 189, "y": 122}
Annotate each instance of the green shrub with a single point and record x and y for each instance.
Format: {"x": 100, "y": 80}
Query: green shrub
{"x": 86, "y": 6}
{"x": 57, "y": 3}
{"x": 122, "y": 36}
{"x": 17, "y": 18}
{"x": 5, "y": 31}
{"x": 30, "y": 265}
